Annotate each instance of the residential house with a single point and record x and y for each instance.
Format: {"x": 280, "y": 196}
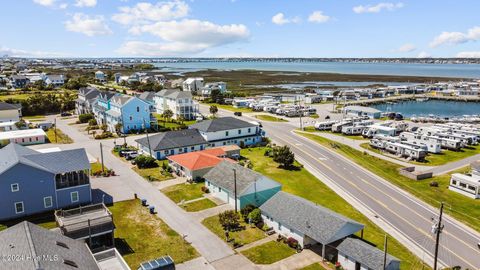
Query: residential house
{"x": 132, "y": 113}
{"x": 55, "y": 80}
{"x": 8, "y": 126}
{"x": 23, "y": 137}
{"x": 239, "y": 186}
{"x": 86, "y": 98}
{"x": 229, "y": 130}
{"x": 179, "y": 102}
{"x": 34, "y": 77}
{"x": 101, "y": 105}
{"x": 43, "y": 249}
{"x": 18, "y": 81}
{"x": 209, "y": 87}
{"x": 32, "y": 182}
{"x": 170, "y": 143}
{"x": 193, "y": 84}
{"x": 194, "y": 165}
{"x": 354, "y": 253}
{"x": 10, "y": 112}
{"x": 100, "y": 76}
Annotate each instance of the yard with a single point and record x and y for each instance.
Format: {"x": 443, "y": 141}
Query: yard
{"x": 185, "y": 192}
{"x": 462, "y": 208}
{"x": 269, "y": 252}
{"x": 301, "y": 183}
{"x": 438, "y": 159}
{"x": 243, "y": 236}
{"x": 61, "y": 138}
{"x": 229, "y": 107}
{"x": 155, "y": 173}
{"x": 315, "y": 266}
{"x": 140, "y": 236}
{"x": 353, "y": 137}
{"x": 199, "y": 205}
{"x": 172, "y": 124}
{"x": 266, "y": 117}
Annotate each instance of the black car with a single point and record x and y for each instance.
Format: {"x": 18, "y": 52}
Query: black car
{"x": 63, "y": 114}
{"x": 237, "y": 113}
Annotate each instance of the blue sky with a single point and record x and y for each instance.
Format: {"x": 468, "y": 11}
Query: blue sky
{"x": 243, "y": 28}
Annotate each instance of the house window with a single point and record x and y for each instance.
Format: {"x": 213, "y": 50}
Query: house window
{"x": 226, "y": 133}
{"x": 15, "y": 187}
{"x": 138, "y": 109}
{"x": 19, "y": 207}
{"x": 239, "y": 131}
{"x": 47, "y": 202}
{"x": 454, "y": 182}
{"x": 131, "y": 118}
{"x": 74, "y": 196}
{"x": 249, "y": 130}
{"x": 463, "y": 185}
{"x": 192, "y": 148}
{"x": 472, "y": 188}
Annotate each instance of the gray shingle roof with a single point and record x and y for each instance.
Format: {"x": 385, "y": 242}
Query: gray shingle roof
{"x": 173, "y": 139}
{"x": 147, "y": 96}
{"x": 54, "y": 162}
{"x": 7, "y": 106}
{"x": 121, "y": 99}
{"x": 315, "y": 221}
{"x": 221, "y": 124}
{"x": 31, "y": 240}
{"x": 364, "y": 253}
{"x": 222, "y": 176}
{"x": 174, "y": 93}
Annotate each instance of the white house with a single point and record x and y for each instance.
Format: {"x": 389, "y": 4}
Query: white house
{"x": 100, "y": 76}
{"x": 229, "y": 130}
{"x": 23, "y": 137}
{"x": 468, "y": 185}
{"x": 354, "y": 254}
{"x": 10, "y": 112}
{"x": 193, "y": 84}
{"x": 209, "y": 87}
{"x": 179, "y": 102}
{"x": 55, "y": 80}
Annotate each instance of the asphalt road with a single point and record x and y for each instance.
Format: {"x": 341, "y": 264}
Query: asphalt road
{"x": 397, "y": 212}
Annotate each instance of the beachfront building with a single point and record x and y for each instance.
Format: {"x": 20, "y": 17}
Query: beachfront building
{"x": 101, "y": 105}
{"x": 179, "y": 102}
{"x": 209, "y": 87}
{"x": 56, "y": 80}
{"x": 10, "y": 112}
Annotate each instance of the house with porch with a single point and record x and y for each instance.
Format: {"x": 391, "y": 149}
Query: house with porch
{"x": 56, "y": 80}
{"x": 179, "y": 102}
{"x": 85, "y": 100}
{"x": 10, "y": 112}
{"x": 101, "y": 105}
{"x": 32, "y": 182}
{"x": 132, "y": 113}
{"x": 239, "y": 186}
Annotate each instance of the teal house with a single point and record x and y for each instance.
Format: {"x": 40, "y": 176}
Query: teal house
{"x": 251, "y": 187}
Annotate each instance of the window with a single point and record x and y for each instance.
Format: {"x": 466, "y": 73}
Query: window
{"x": 454, "y": 182}
{"x": 74, "y": 196}
{"x": 239, "y": 131}
{"x": 138, "y": 109}
{"x": 472, "y": 188}
{"x": 463, "y": 185}
{"x": 226, "y": 133}
{"x": 15, "y": 187}
{"x": 249, "y": 130}
{"x": 131, "y": 118}
{"x": 192, "y": 148}
{"x": 19, "y": 207}
{"x": 47, "y": 202}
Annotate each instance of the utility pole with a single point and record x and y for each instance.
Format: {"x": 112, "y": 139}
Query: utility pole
{"x": 235, "y": 187}
{"x": 101, "y": 156}
{"x": 385, "y": 253}
{"x": 148, "y": 139}
{"x": 55, "y": 128}
{"x": 437, "y": 229}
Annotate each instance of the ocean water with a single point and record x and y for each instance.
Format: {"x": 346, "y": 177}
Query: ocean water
{"x": 436, "y": 107}
{"x": 436, "y": 70}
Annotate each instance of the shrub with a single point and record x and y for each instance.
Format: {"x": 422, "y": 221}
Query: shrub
{"x": 246, "y": 211}
{"x": 292, "y": 242}
{"x": 229, "y": 220}
{"x": 434, "y": 184}
{"x": 92, "y": 122}
{"x": 205, "y": 189}
{"x": 84, "y": 118}
{"x": 144, "y": 161}
{"x": 255, "y": 216}
{"x": 283, "y": 155}
{"x": 104, "y": 135}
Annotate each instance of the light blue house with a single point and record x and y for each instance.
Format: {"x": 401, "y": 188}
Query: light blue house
{"x": 32, "y": 182}
{"x": 251, "y": 187}
{"x": 132, "y": 113}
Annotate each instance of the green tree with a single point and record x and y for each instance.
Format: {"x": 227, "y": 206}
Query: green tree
{"x": 167, "y": 115}
{"x": 284, "y": 156}
{"x": 229, "y": 219}
{"x": 213, "y": 110}
{"x": 144, "y": 161}
{"x": 118, "y": 128}
{"x": 255, "y": 216}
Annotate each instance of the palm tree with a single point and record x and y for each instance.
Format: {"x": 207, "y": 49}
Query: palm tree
{"x": 213, "y": 110}
{"x": 167, "y": 114}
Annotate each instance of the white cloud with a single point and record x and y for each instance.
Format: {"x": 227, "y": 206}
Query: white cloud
{"x": 472, "y": 54}
{"x": 63, "y": 6}
{"x": 47, "y": 3}
{"x": 377, "y": 8}
{"x": 182, "y": 37}
{"x": 452, "y": 38}
{"x": 85, "y": 3}
{"x": 280, "y": 19}
{"x": 318, "y": 17}
{"x": 88, "y": 25}
{"x": 406, "y": 48}
{"x": 23, "y": 53}
{"x": 424, "y": 55}
{"x": 144, "y": 12}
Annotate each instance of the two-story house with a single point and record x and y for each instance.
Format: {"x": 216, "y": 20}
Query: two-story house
{"x": 18, "y": 81}
{"x": 55, "y": 80}
{"x": 229, "y": 130}
{"x": 85, "y": 99}
{"x": 32, "y": 182}
{"x": 10, "y": 112}
{"x": 179, "y": 102}
{"x": 192, "y": 84}
{"x": 132, "y": 113}
{"x": 100, "y": 76}
{"x": 101, "y": 104}
{"x": 209, "y": 87}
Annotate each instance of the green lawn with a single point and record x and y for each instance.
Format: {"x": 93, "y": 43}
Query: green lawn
{"x": 315, "y": 266}
{"x": 34, "y": 118}
{"x": 266, "y": 117}
{"x": 171, "y": 123}
{"x": 153, "y": 174}
{"x": 199, "y": 205}
{"x": 304, "y": 184}
{"x": 438, "y": 159}
{"x": 245, "y": 236}
{"x": 461, "y": 207}
{"x": 140, "y": 236}
{"x": 229, "y": 107}
{"x": 314, "y": 116}
{"x": 269, "y": 252}
{"x": 353, "y": 137}
{"x": 62, "y": 138}
{"x": 184, "y": 191}
{"x": 15, "y": 97}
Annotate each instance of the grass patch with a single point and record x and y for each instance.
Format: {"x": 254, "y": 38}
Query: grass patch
{"x": 302, "y": 183}
{"x": 461, "y": 207}
{"x": 199, "y": 205}
{"x": 265, "y": 117}
{"x": 314, "y": 116}
{"x": 245, "y": 236}
{"x": 185, "y": 191}
{"x": 155, "y": 173}
{"x": 229, "y": 107}
{"x": 141, "y": 236}
{"x": 315, "y": 266}
{"x": 34, "y": 118}
{"x": 62, "y": 138}
{"x": 353, "y": 137}
{"x": 171, "y": 123}
{"x": 268, "y": 253}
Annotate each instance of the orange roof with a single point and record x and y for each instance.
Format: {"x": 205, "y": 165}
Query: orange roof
{"x": 217, "y": 151}
{"x": 196, "y": 160}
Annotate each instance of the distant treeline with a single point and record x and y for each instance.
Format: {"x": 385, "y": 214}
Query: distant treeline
{"x": 46, "y": 103}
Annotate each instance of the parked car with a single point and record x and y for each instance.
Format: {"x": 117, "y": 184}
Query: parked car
{"x": 237, "y": 113}
{"x": 124, "y": 153}
{"x": 327, "y": 117}
{"x": 63, "y": 114}
{"x": 131, "y": 156}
